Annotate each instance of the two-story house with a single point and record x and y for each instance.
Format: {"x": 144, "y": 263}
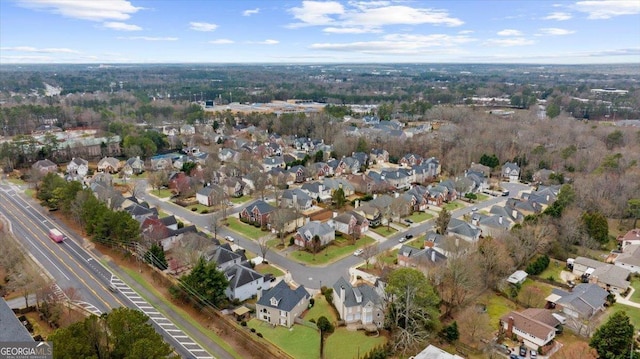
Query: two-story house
{"x": 281, "y": 305}
{"x": 536, "y": 328}
{"x": 305, "y": 234}
{"x": 511, "y": 171}
{"x": 77, "y": 168}
{"x": 244, "y": 282}
{"x": 358, "y": 304}
{"x": 351, "y": 223}
{"x": 257, "y": 212}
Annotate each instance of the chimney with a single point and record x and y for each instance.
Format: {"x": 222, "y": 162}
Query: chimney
{"x": 396, "y": 194}
{"x": 375, "y": 195}
{"x": 335, "y": 214}
{"x": 342, "y": 294}
{"x": 357, "y": 203}
{"x": 547, "y": 198}
{"x": 510, "y": 327}
{"x": 500, "y": 219}
{"x": 514, "y": 214}
{"x": 433, "y": 255}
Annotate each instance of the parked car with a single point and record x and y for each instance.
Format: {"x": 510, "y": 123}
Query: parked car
{"x": 514, "y": 356}
{"x": 358, "y": 252}
{"x": 533, "y": 354}
{"x": 229, "y": 238}
{"x": 408, "y": 236}
{"x": 523, "y": 351}
{"x": 474, "y": 209}
{"x": 408, "y": 221}
{"x": 402, "y": 239}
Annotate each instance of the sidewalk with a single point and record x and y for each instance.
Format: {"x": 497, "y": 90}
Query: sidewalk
{"x": 626, "y": 300}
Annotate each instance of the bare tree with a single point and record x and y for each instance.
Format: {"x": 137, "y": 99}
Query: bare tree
{"x": 157, "y": 179}
{"x": 264, "y": 246}
{"x": 455, "y": 281}
{"x": 369, "y": 252}
{"x": 493, "y": 261}
{"x": 73, "y": 295}
{"x": 279, "y": 220}
{"x": 216, "y": 217}
{"x": 474, "y": 324}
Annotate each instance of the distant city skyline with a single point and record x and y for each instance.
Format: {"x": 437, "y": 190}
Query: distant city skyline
{"x": 454, "y": 31}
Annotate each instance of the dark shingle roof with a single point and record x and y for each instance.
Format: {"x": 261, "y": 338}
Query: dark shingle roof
{"x": 239, "y": 275}
{"x": 287, "y": 298}
{"x": 355, "y": 296}
{"x": 12, "y": 329}
{"x": 263, "y": 207}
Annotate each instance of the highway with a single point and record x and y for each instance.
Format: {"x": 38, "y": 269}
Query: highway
{"x": 70, "y": 265}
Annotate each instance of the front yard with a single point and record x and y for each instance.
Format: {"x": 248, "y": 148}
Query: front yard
{"x": 198, "y": 208}
{"x": 239, "y": 200}
{"x": 418, "y": 217}
{"x": 451, "y": 206}
{"x": 384, "y": 231}
{"x": 268, "y": 269}
{"x": 162, "y": 193}
{"x": 339, "y": 248}
{"x": 299, "y": 341}
{"x": 482, "y": 197}
{"x": 635, "y": 283}
{"x": 245, "y": 229}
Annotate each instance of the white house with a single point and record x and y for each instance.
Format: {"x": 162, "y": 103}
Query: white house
{"x": 359, "y": 304}
{"x": 511, "y": 171}
{"x": 535, "y": 327}
{"x": 244, "y": 282}
{"x": 630, "y": 258}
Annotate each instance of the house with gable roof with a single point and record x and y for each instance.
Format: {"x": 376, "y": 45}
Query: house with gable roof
{"x": 350, "y": 223}
{"x": 304, "y": 235}
{"x": 511, "y": 171}
{"x": 77, "y": 168}
{"x": 109, "y": 165}
{"x": 296, "y": 198}
{"x": 45, "y": 166}
{"x": 630, "y": 258}
{"x": 225, "y": 257}
{"x": 410, "y": 160}
{"x": 209, "y": 196}
{"x": 536, "y": 328}
{"x": 463, "y": 230}
{"x": 257, "y": 212}
{"x": 423, "y": 259}
{"x": 281, "y": 305}
{"x": 317, "y": 190}
{"x": 133, "y": 166}
{"x": 583, "y": 302}
{"x": 244, "y": 282}
{"x": 358, "y": 304}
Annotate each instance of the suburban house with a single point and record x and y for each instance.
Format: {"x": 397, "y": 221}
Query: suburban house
{"x": 257, "y": 212}
{"x": 45, "y": 166}
{"x": 491, "y": 225}
{"x": 398, "y": 178}
{"x": 351, "y": 223}
{"x": 536, "y": 328}
{"x": 477, "y": 167}
{"x": 210, "y": 196}
{"x": 281, "y": 305}
{"x": 371, "y": 212}
{"x": 270, "y": 163}
{"x": 244, "y": 282}
{"x": 228, "y": 155}
{"x": 479, "y": 180}
{"x": 423, "y": 259}
{"x": 629, "y": 238}
{"x": 299, "y": 173}
{"x": 304, "y": 235}
{"x": 133, "y": 166}
{"x": 296, "y": 198}
{"x": 358, "y": 305}
{"x": 511, "y": 171}
{"x": 332, "y": 184}
{"x": 77, "y": 168}
{"x": 320, "y": 170}
{"x": 433, "y": 352}
{"x": 629, "y": 259}
{"x": 161, "y": 162}
{"x": 224, "y": 257}
{"x": 109, "y": 165}
{"x": 379, "y": 156}
{"x": 463, "y": 230}
{"x": 585, "y": 301}
{"x": 180, "y": 183}
{"x": 542, "y": 176}
{"x": 608, "y": 276}
{"x": 317, "y": 190}
{"x": 233, "y": 186}
{"x": 410, "y": 160}
{"x": 362, "y": 183}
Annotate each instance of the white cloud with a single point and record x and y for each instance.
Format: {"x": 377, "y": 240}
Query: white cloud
{"x": 400, "y": 44}
{"x": 514, "y": 41}
{"x": 149, "y": 38}
{"x": 221, "y": 42}
{"x": 350, "y": 30}
{"x": 85, "y": 10}
{"x": 47, "y": 50}
{"x": 121, "y": 26}
{"x": 268, "y": 42}
{"x": 251, "y": 12}
{"x": 202, "y": 26}
{"x": 366, "y": 17}
{"x": 606, "y": 9}
{"x": 559, "y": 16}
{"x": 554, "y": 31}
{"x": 466, "y": 32}
{"x": 510, "y": 32}
{"x": 313, "y": 13}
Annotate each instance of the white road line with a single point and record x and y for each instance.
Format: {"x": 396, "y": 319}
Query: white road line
{"x": 41, "y": 252}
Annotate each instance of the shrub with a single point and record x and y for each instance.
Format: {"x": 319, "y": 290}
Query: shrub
{"x": 328, "y": 295}
{"x": 194, "y": 209}
{"x": 323, "y": 289}
{"x": 180, "y": 224}
{"x": 539, "y": 265}
{"x": 243, "y": 323}
{"x": 292, "y": 241}
{"x": 313, "y": 320}
{"x": 260, "y": 335}
{"x": 253, "y": 330}
{"x": 312, "y": 301}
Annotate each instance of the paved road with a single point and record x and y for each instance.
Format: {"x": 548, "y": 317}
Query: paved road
{"x": 315, "y": 276}
{"x": 70, "y": 265}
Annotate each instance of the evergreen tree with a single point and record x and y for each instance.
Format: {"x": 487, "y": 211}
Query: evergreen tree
{"x": 614, "y": 338}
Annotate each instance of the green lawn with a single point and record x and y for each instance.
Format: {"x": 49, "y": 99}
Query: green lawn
{"x": 388, "y": 257}
{"x": 482, "y": 197}
{"x": 267, "y": 268}
{"x": 299, "y": 341}
{"x": 635, "y": 283}
{"x": 384, "y": 231}
{"x": 242, "y": 199}
{"x": 162, "y": 214}
{"x": 199, "y": 208}
{"x": 553, "y": 270}
{"x": 632, "y": 313}
{"x": 320, "y": 308}
{"x": 30, "y": 192}
{"x": 534, "y": 293}
{"x": 418, "y": 217}
{"x": 16, "y": 181}
{"x": 415, "y": 243}
{"x": 138, "y": 278}
{"x": 163, "y": 193}
{"x": 453, "y": 205}
{"x": 344, "y": 344}
{"x": 339, "y": 248}
{"x": 245, "y": 229}
{"x": 497, "y": 306}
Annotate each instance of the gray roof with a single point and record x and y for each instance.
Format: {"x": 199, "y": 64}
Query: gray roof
{"x": 312, "y": 187}
{"x": 426, "y": 254}
{"x": 301, "y": 196}
{"x": 355, "y": 296}
{"x": 239, "y": 275}
{"x": 12, "y": 329}
{"x": 463, "y": 228}
{"x": 287, "y": 298}
{"x": 314, "y": 228}
{"x": 613, "y": 275}
{"x": 631, "y": 255}
{"x": 263, "y": 207}
{"x": 499, "y": 222}
{"x": 223, "y": 254}
{"x": 511, "y": 166}
{"x": 588, "y": 262}
{"x": 585, "y": 298}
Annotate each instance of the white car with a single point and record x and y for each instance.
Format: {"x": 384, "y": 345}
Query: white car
{"x": 358, "y": 252}
{"x": 229, "y": 238}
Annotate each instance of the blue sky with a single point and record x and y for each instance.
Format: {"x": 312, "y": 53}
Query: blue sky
{"x": 115, "y": 31}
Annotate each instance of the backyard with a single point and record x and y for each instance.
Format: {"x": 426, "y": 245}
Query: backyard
{"x": 553, "y": 271}
{"x": 339, "y": 248}
{"x": 299, "y": 341}
{"x": 497, "y": 306}
{"x": 320, "y": 308}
